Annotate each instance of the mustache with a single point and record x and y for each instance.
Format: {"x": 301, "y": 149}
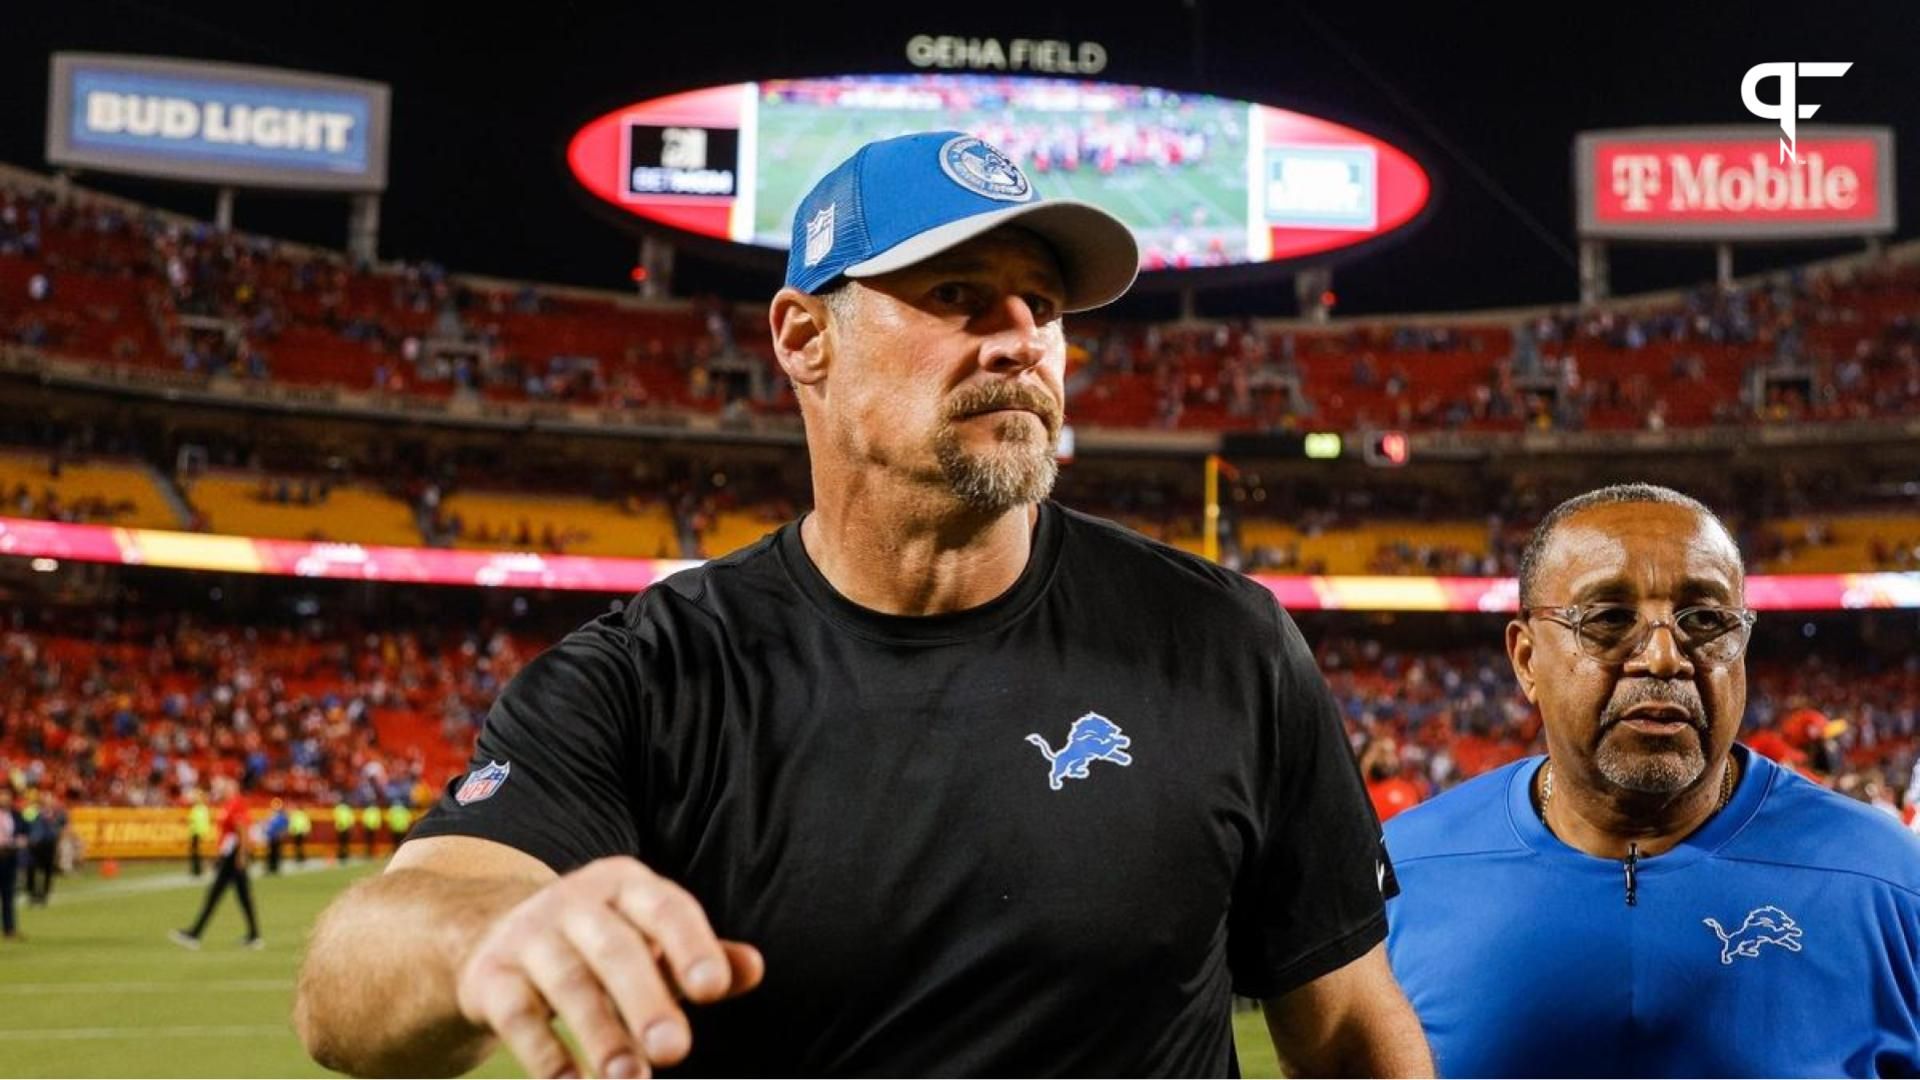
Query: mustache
{"x": 987, "y": 397}
{"x": 1630, "y": 694}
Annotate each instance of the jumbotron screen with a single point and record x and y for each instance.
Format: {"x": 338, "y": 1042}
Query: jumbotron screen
{"x": 1203, "y": 181}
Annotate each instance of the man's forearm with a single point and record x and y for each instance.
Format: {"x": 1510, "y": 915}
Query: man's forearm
{"x": 1353, "y": 1021}
{"x": 1388, "y": 1042}
{"x": 377, "y": 990}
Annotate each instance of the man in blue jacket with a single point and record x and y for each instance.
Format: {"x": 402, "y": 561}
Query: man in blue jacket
{"x": 278, "y": 827}
{"x": 46, "y": 824}
{"x": 1651, "y": 899}
{"x": 13, "y": 848}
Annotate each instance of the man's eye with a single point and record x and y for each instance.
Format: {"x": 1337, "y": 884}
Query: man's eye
{"x": 1609, "y": 623}
{"x": 952, "y": 292}
{"x": 1708, "y": 622}
{"x": 1043, "y": 308}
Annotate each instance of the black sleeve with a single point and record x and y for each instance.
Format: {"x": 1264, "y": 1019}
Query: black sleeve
{"x": 564, "y": 730}
{"x": 1313, "y": 895}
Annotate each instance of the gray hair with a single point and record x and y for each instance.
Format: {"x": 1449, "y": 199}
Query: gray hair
{"x": 1612, "y": 495}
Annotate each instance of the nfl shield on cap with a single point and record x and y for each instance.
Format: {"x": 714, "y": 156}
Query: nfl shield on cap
{"x": 901, "y": 200}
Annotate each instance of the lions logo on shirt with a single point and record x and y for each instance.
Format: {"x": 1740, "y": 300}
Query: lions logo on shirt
{"x": 482, "y": 783}
{"x": 1763, "y": 926}
{"x": 983, "y": 170}
{"x": 1092, "y": 738}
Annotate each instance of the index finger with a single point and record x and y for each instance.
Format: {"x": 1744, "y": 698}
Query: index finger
{"x": 749, "y": 967}
{"x": 671, "y": 918}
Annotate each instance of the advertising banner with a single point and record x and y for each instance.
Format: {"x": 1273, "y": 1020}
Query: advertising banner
{"x": 217, "y": 123}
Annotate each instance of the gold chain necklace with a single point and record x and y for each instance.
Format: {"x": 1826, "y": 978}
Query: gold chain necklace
{"x": 1546, "y": 789}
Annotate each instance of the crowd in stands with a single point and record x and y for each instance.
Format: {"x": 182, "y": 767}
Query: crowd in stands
{"x": 1801, "y": 346}
{"x": 98, "y": 278}
{"x": 285, "y": 491}
{"x": 1486, "y": 528}
{"x": 1391, "y": 555}
{"x": 1804, "y": 346}
{"x": 1902, "y": 554}
{"x": 220, "y": 303}
{"x": 49, "y": 506}
{"x": 143, "y": 710}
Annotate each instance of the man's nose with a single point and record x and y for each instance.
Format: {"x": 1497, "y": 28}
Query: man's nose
{"x": 1017, "y": 340}
{"x": 1660, "y": 655}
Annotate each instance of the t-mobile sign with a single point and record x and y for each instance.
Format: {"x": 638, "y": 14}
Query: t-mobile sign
{"x": 1731, "y": 184}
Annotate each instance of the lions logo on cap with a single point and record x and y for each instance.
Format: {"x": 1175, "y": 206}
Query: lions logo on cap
{"x": 983, "y": 170}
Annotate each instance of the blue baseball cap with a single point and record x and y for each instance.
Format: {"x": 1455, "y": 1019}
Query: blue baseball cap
{"x": 901, "y": 200}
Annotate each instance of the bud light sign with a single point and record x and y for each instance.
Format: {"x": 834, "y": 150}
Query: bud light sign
{"x": 217, "y": 122}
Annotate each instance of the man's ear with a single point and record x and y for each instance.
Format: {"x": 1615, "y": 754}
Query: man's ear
{"x": 1520, "y": 654}
{"x": 799, "y": 323}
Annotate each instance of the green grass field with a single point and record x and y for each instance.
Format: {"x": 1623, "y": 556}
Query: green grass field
{"x": 800, "y": 142}
{"x": 96, "y": 989}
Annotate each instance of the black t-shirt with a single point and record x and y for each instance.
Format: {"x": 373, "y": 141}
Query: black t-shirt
{"x": 1048, "y": 835}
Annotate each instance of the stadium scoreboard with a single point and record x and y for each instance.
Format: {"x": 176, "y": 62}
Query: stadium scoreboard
{"x": 1202, "y": 181}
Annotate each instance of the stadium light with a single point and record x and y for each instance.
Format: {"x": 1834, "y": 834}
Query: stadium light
{"x": 1388, "y": 449}
{"x": 1323, "y": 445}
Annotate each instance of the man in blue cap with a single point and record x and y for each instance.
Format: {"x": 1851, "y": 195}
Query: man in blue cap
{"x": 942, "y": 778}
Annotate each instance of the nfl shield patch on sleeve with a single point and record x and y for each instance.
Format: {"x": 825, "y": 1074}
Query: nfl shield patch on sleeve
{"x": 482, "y": 783}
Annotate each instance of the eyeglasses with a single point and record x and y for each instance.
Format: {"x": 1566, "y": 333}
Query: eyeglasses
{"x": 1615, "y": 633}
